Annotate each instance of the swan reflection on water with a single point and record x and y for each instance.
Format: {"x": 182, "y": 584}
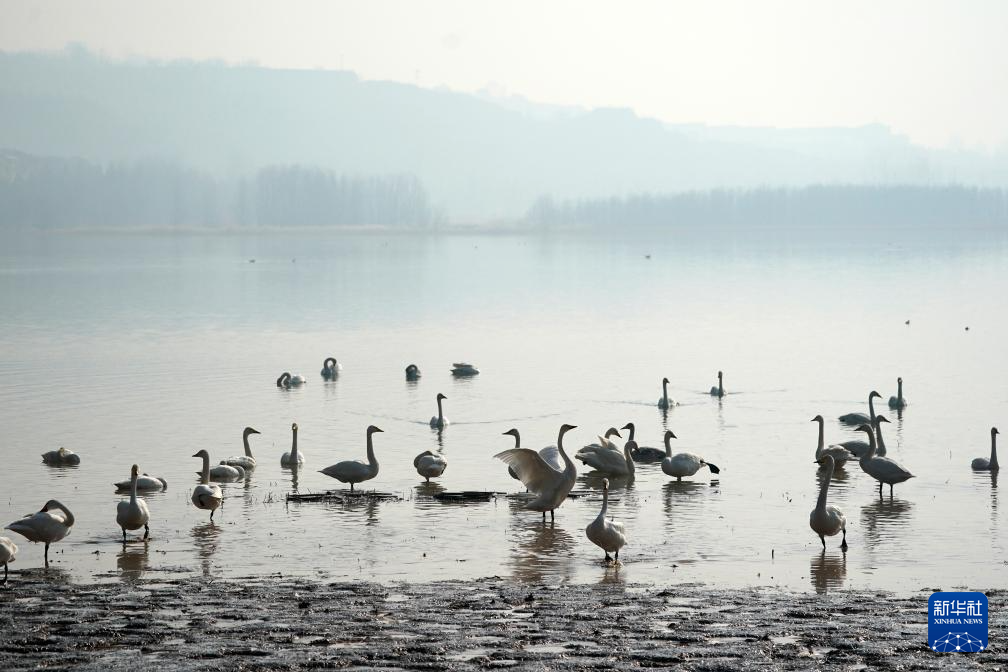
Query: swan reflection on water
{"x": 828, "y": 572}
{"x": 133, "y": 561}
{"x": 542, "y": 551}
{"x": 206, "y": 539}
{"x": 885, "y": 519}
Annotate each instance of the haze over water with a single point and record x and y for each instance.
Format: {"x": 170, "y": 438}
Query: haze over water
{"x": 147, "y": 348}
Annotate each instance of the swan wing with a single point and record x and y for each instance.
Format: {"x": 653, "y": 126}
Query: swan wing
{"x": 533, "y": 470}
{"x": 551, "y": 455}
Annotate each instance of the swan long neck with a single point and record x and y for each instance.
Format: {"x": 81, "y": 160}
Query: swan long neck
{"x": 568, "y": 464}
{"x": 629, "y": 460}
{"x": 294, "y": 446}
{"x": 440, "y": 417}
{"x": 993, "y": 457}
{"x": 248, "y": 451}
{"x": 205, "y": 476}
{"x": 668, "y": 446}
{"x": 133, "y": 487}
{"x": 68, "y": 519}
{"x": 720, "y": 385}
{"x": 824, "y": 488}
{"x": 605, "y": 503}
{"x": 370, "y": 451}
{"x": 871, "y": 408}
{"x": 872, "y": 446}
{"x": 664, "y": 390}
{"x": 899, "y": 389}
{"x": 632, "y": 429}
{"x": 517, "y": 440}
{"x": 822, "y": 437}
{"x": 880, "y": 443}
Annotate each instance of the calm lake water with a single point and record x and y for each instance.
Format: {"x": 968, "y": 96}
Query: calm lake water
{"x": 148, "y": 348}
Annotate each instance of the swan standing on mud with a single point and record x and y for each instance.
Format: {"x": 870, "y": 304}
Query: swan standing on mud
{"x": 826, "y": 520}
{"x": 683, "y": 464}
{"x": 606, "y": 534}
{"x": 61, "y": 457}
{"x": 132, "y": 513}
{"x": 246, "y": 461}
{"x": 664, "y": 402}
{"x": 991, "y": 464}
{"x": 439, "y": 421}
{"x": 550, "y": 484}
{"x": 355, "y": 471}
{"x": 206, "y": 496}
{"x": 8, "y": 549}
{"x": 429, "y": 465}
{"x": 331, "y": 368}
{"x": 46, "y": 526}
{"x": 718, "y": 391}
{"x": 898, "y": 402}
{"x": 882, "y": 469}
{"x": 839, "y": 454}
{"x": 292, "y": 459}
{"x": 861, "y": 418}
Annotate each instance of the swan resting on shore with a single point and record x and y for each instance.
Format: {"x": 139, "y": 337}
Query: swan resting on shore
{"x": 826, "y": 520}
{"x": 608, "y": 535}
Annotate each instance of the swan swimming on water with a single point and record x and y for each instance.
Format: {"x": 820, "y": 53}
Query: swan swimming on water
{"x": 61, "y": 457}
{"x": 550, "y": 484}
{"x": 882, "y": 469}
{"x": 145, "y": 483}
{"x": 985, "y": 464}
{"x": 246, "y": 461}
{"x": 899, "y": 401}
{"x": 718, "y": 391}
{"x": 286, "y": 380}
{"x": 46, "y": 526}
{"x": 664, "y": 402}
{"x": 642, "y": 454}
{"x": 439, "y": 421}
{"x": 861, "y": 418}
{"x": 608, "y": 535}
{"x": 412, "y": 372}
{"x": 8, "y": 549}
{"x": 225, "y": 473}
{"x": 355, "y": 471}
{"x": 331, "y": 368}
{"x": 462, "y": 369}
{"x": 683, "y": 464}
{"x": 207, "y": 496}
{"x": 839, "y": 454}
{"x": 429, "y": 465}
{"x": 292, "y": 459}
{"x": 132, "y": 513}
{"x": 860, "y": 448}
{"x": 605, "y": 457}
{"x": 826, "y": 520}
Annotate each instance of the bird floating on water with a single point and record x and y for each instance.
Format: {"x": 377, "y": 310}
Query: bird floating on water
{"x": 991, "y": 463}
{"x": 899, "y": 401}
{"x": 860, "y": 418}
{"x": 718, "y": 391}
{"x": 61, "y": 457}
{"x": 246, "y": 461}
{"x": 292, "y": 459}
{"x": 287, "y": 381}
{"x": 462, "y": 369}
{"x": 412, "y": 372}
{"x": 439, "y": 421}
{"x": 331, "y": 368}
{"x": 664, "y": 402}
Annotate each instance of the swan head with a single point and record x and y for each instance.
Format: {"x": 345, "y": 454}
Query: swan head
{"x": 511, "y": 432}
{"x": 628, "y": 426}
{"x": 881, "y": 418}
{"x": 441, "y": 396}
{"x": 135, "y": 471}
{"x": 720, "y": 375}
{"x": 817, "y": 418}
{"x": 566, "y": 428}
{"x": 203, "y": 453}
{"x": 329, "y": 363}
{"x": 372, "y": 429}
{"x": 864, "y": 428}
{"x": 664, "y": 381}
{"x": 294, "y": 427}
{"x": 899, "y": 380}
{"x": 994, "y": 431}
{"x": 874, "y": 394}
{"x": 51, "y": 504}
{"x": 670, "y": 435}
{"x": 249, "y": 430}
{"x": 612, "y": 431}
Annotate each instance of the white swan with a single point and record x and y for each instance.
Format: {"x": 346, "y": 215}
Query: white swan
{"x": 46, "y": 526}
{"x": 860, "y": 448}
{"x": 355, "y": 471}
{"x": 551, "y": 485}
{"x": 643, "y": 454}
{"x": 839, "y": 454}
{"x": 61, "y": 457}
{"x": 462, "y": 369}
{"x": 292, "y": 459}
{"x": 683, "y": 464}
{"x": 439, "y": 421}
{"x": 246, "y": 461}
{"x": 429, "y": 465}
{"x": 132, "y": 513}
{"x": 899, "y": 401}
{"x": 412, "y": 372}
{"x": 145, "y": 483}
{"x": 984, "y": 464}
{"x": 607, "y": 458}
{"x": 286, "y": 380}
{"x": 206, "y": 496}
{"x": 606, "y": 534}
{"x": 861, "y": 418}
{"x": 8, "y": 549}
{"x": 331, "y": 368}
{"x": 225, "y": 473}
{"x": 719, "y": 390}
{"x": 826, "y": 520}
{"x": 664, "y": 402}
{"x": 882, "y": 469}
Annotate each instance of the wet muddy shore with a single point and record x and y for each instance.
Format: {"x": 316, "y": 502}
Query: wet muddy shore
{"x": 277, "y": 623}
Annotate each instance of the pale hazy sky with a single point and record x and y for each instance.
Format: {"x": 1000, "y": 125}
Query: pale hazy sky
{"x": 936, "y": 71}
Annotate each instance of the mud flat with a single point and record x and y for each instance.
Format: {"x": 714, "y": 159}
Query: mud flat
{"x": 277, "y": 623}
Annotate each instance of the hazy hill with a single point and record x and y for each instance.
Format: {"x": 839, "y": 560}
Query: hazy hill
{"x": 476, "y": 158}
